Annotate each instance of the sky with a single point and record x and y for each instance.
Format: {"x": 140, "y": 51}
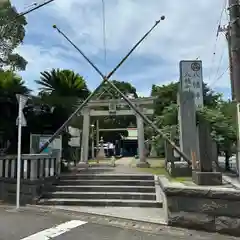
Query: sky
{"x": 187, "y": 33}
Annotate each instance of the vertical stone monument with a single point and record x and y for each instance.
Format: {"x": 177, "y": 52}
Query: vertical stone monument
{"x": 153, "y": 152}
{"x": 187, "y": 124}
{"x": 101, "y": 153}
{"x": 203, "y": 174}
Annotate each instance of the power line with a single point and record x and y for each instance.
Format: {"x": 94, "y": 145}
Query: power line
{"x": 104, "y": 32}
{"x": 217, "y": 37}
{"x": 36, "y": 6}
{"x": 219, "y": 64}
{"x": 220, "y": 76}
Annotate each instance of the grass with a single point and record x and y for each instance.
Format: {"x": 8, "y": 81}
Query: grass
{"x": 157, "y": 168}
{"x": 94, "y": 161}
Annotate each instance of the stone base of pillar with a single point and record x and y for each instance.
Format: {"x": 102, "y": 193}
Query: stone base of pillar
{"x": 207, "y": 178}
{"x": 141, "y": 164}
{"x": 82, "y": 165}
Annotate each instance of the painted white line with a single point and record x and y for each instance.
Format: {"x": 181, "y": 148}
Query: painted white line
{"x": 50, "y": 233}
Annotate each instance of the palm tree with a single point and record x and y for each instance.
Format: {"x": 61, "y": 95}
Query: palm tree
{"x": 63, "y": 83}
{"x": 62, "y": 90}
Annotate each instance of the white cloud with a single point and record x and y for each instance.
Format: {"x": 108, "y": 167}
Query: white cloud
{"x": 188, "y": 32}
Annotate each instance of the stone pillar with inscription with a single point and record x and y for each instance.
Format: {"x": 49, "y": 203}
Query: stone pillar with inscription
{"x": 187, "y": 125}
{"x": 190, "y": 97}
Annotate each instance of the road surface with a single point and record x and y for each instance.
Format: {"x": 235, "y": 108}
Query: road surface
{"x": 37, "y": 225}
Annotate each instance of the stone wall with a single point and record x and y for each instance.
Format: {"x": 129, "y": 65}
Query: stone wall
{"x": 30, "y": 190}
{"x": 214, "y": 209}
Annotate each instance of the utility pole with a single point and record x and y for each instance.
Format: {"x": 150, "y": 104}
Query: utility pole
{"x": 226, "y": 31}
{"x": 228, "y": 37}
{"x": 234, "y": 35}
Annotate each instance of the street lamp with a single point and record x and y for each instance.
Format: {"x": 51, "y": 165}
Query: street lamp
{"x": 92, "y": 127}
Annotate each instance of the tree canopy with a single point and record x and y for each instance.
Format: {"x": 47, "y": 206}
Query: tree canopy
{"x": 216, "y": 111}
{"x": 62, "y": 90}
{"x": 12, "y": 33}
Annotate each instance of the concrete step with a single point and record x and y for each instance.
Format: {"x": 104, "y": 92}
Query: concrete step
{"x": 106, "y": 182}
{"x": 100, "y": 202}
{"x": 103, "y": 188}
{"x": 100, "y": 195}
{"x": 92, "y": 170}
{"x": 107, "y": 176}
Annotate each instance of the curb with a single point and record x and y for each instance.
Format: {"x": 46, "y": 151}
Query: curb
{"x": 93, "y": 214}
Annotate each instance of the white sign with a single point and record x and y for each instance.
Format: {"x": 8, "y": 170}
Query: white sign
{"x": 74, "y": 132}
{"x": 23, "y": 120}
{"x": 191, "y": 79}
{"x": 23, "y": 100}
{"x": 74, "y": 142}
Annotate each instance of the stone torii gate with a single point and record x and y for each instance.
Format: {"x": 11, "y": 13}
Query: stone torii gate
{"x": 116, "y": 107}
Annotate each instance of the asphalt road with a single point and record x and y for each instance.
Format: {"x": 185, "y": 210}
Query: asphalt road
{"x": 37, "y": 225}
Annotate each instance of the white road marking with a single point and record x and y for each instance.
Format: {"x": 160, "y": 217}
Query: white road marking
{"x": 50, "y": 233}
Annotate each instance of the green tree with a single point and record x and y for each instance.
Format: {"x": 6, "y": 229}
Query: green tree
{"x": 108, "y": 92}
{"x": 211, "y": 99}
{"x": 61, "y": 91}
{"x": 218, "y": 113}
{"x": 223, "y": 130}
{"x": 63, "y": 83}
{"x": 62, "y": 88}
{"x": 167, "y": 95}
{"x": 12, "y": 33}
{"x": 10, "y": 85}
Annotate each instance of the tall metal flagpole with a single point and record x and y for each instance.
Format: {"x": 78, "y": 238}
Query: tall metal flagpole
{"x": 105, "y": 79}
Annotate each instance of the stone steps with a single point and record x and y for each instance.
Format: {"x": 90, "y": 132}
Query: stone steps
{"x": 107, "y": 176}
{"x": 106, "y": 182}
{"x": 94, "y": 189}
{"x": 101, "y": 195}
{"x": 105, "y": 188}
{"x": 100, "y": 202}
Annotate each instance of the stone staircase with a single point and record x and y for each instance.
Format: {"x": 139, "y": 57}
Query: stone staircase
{"x": 103, "y": 189}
